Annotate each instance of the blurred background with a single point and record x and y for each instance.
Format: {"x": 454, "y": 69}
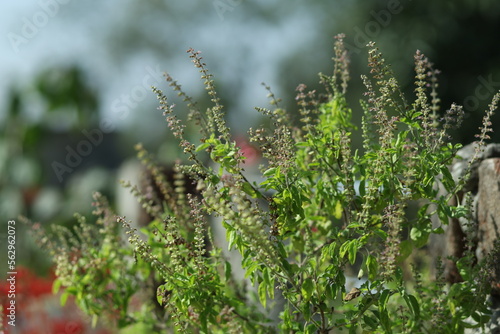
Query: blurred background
{"x": 75, "y": 95}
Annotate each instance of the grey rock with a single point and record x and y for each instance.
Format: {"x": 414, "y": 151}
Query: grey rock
{"x": 484, "y": 186}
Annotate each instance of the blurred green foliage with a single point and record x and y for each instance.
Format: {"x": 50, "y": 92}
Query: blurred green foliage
{"x": 38, "y": 119}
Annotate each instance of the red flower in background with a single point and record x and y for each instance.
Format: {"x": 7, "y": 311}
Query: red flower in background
{"x": 38, "y": 311}
{"x": 250, "y": 152}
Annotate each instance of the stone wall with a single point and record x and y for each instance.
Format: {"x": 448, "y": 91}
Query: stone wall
{"x": 484, "y": 185}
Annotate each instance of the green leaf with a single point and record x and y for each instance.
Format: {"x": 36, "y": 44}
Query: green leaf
{"x": 383, "y": 315}
{"x": 298, "y": 243}
{"x": 268, "y": 279}
{"x": 353, "y": 250}
{"x": 447, "y": 178}
{"x": 459, "y": 211}
{"x": 160, "y": 292}
{"x": 310, "y": 329}
{"x": 343, "y": 248}
{"x": 307, "y": 289}
{"x": 385, "y": 321}
{"x": 248, "y": 189}
{"x": 464, "y": 269}
{"x": 231, "y": 237}
{"x": 443, "y": 217}
{"x": 287, "y": 320}
{"x": 262, "y": 293}
{"x": 414, "y": 306}
{"x": 281, "y": 250}
{"x": 330, "y": 290}
{"x": 56, "y": 285}
{"x": 251, "y": 268}
{"x": 405, "y": 250}
{"x": 371, "y": 322}
{"x": 479, "y": 318}
{"x": 201, "y": 147}
{"x": 420, "y": 235}
{"x": 362, "y": 188}
{"x": 384, "y": 297}
{"x": 401, "y": 138}
{"x": 350, "y": 247}
{"x": 354, "y": 225}
{"x": 338, "y": 210}
{"x": 372, "y": 266}
{"x": 227, "y": 270}
{"x": 271, "y": 171}
{"x": 438, "y": 230}
{"x": 64, "y": 298}
{"x": 306, "y": 311}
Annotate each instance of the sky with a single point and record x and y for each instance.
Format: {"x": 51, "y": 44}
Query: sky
{"x": 43, "y": 33}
